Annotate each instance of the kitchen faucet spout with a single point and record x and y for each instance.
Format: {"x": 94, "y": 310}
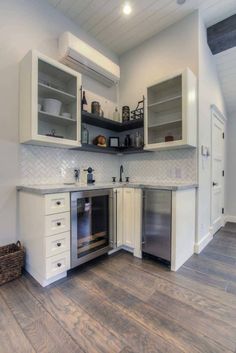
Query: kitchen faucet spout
{"x": 121, "y": 172}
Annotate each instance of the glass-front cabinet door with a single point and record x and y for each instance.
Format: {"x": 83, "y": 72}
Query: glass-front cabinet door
{"x": 171, "y": 112}
{"x": 91, "y": 224}
{"x": 50, "y": 102}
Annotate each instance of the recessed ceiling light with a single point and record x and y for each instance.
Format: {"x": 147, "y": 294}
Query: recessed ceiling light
{"x": 181, "y": 2}
{"x": 127, "y": 8}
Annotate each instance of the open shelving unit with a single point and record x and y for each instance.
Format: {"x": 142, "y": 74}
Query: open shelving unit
{"x": 105, "y": 123}
{"x": 115, "y": 128}
{"x": 110, "y": 150}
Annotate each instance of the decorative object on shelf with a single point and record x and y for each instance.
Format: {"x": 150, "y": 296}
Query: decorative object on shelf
{"x": 127, "y": 141}
{"x": 101, "y": 112}
{"x": 114, "y": 141}
{"x": 67, "y": 115}
{"x": 52, "y": 106}
{"x": 85, "y": 134}
{"x": 84, "y": 102}
{"x": 95, "y": 108}
{"x": 125, "y": 113}
{"x": 52, "y": 133}
{"x": 138, "y": 139}
{"x": 90, "y": 179}
{"x": 138, "y": 112}
{"x": 100, "y": 141}
{"x": 116, "y": 115}
{"x": 169, "y": 138}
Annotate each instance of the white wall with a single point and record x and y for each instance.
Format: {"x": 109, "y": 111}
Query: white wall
{"x": 169, "y": 51}
{"x": 27, "y": 24}
{"x": 230, "y": 175}
{"x": 209, "y": 93}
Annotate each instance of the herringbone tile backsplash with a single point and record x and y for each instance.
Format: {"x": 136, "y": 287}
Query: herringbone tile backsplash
{"x": 46, "y": 165}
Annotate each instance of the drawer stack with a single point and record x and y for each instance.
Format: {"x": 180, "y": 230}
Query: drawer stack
{"x": 45, "y": 233}
{"x": 57, "y": 234}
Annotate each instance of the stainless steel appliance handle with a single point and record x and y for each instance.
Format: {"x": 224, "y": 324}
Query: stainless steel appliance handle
{"x": 143, "y": 218}
{"x": 112, "y": 235}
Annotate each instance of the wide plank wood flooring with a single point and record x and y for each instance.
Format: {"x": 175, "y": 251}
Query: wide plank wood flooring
{"x": 121, "y": 304}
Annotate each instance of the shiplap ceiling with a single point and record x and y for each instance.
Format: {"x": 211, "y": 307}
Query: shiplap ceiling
{"x": 226, "y": 68}
{"x": 104, "y": 19}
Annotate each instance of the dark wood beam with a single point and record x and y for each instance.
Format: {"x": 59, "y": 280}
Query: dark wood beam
{"x": 222, "y": 35}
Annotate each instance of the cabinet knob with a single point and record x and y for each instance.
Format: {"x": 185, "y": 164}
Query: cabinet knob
{"x": 58, "y": 224}
{"x": 59, "y": 264}
{"x": 58, "y": 203}
{"x": 58, "y": 244}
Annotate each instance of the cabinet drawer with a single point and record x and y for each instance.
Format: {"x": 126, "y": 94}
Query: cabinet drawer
{"x": 58, "y": 223}
{"x": 57, "y": 264}
{"x": 57, "y": 244}
{"x": 57, "y": 203}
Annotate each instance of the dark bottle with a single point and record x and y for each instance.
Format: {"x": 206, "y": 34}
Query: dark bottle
{"x": 84, "y": 102}
{"x": 127, "y": 141}
{"x": 125, "y": 113}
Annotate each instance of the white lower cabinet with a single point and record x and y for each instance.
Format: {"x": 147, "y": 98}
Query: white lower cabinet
{"x": 45, "y": 234}
{"x": 127, "y": 215}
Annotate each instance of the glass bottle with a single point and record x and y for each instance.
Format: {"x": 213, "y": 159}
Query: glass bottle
{"x": 116, "y": 115}
{"x": 138, "y": 140}
{"x": 84, "y": 102}
{"x": 85, "y": 135}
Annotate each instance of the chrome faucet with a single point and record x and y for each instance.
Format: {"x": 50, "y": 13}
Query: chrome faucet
{"x": 121, "y": 172}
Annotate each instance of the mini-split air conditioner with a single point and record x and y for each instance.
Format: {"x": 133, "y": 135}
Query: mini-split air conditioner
{"x": 83, "y": 58}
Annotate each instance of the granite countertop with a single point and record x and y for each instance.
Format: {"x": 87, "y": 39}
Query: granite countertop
{"x": 57, "y": 188}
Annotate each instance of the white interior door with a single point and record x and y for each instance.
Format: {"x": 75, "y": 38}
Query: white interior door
{"x": 217, "y": 179}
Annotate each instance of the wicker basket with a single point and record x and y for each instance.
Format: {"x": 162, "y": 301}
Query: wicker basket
{"x": 11, "y": 262}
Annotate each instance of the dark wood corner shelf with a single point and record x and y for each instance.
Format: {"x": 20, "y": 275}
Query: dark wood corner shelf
{"x": 110, "y": 150}
{"x": 105, "y": 123}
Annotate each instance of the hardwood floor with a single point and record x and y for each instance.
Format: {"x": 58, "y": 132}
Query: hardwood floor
{"x": 121, "y": 304}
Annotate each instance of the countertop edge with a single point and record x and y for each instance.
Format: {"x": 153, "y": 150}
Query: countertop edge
{"x": 61, "y": 189}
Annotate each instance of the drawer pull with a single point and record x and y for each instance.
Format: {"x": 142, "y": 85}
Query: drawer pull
{"x": 59, "y": 264}
{"x": 58, "y": 224}
{"x": 58, "y": 203}
{"x": 58, "y": 244}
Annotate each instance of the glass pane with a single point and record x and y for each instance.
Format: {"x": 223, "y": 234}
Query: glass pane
{"x": 57, "y": 102}
{"x": 92, "y": 224}
{"x": 165, "y": 111}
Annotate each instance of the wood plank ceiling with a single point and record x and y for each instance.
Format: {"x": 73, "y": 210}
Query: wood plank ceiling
{"x": 226, "y": 68}
{"x": 104, "y": 19}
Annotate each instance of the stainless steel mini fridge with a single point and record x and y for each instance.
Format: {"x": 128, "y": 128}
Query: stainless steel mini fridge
{"x": 156, "y": 238}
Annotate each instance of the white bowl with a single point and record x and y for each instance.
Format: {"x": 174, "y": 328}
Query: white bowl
{"x": 52, "y": 106}
{"x": 66, "y": 115}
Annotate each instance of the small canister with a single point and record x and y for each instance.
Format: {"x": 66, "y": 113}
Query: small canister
{"x": 95, "y": 108}
{"x": 125, "y": 113}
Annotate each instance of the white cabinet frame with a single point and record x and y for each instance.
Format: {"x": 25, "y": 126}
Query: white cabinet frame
{"x": 28, "y": 110}
{"x": 189, "y": 113}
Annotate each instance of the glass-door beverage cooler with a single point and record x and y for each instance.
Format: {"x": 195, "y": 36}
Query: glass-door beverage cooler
{"x": 91, "y": 220}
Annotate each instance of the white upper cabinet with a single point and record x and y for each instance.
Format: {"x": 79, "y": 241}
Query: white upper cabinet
{"x": 50, "y": 99}
{"x": 171, "y": 113}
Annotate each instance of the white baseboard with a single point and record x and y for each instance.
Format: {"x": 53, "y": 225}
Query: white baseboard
{"x": 229, "y": 218}
{"x": 198, "y": 247}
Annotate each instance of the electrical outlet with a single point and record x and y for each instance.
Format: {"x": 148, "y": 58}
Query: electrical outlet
{"x": 178, "y": 173}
